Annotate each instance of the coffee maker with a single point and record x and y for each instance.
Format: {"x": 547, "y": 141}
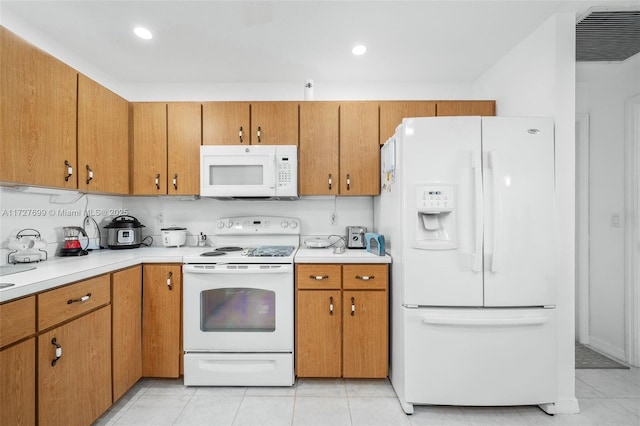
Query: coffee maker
{"x": 72, "y": 245}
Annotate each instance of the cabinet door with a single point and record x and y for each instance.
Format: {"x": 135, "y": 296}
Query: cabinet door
{"x": 76, "y": 390}
{"x": 318, "y": 172}
{"x": 318, "y": 333}
{"x": 274, "y": 123}
{"x": 37, "y": 115}
{"x": 226, "y": 123}
{"x": 161, "y": 320}
{"x": 126, "y": 305}
{"x": 103, "y": 139}
{"x": 359, "y": 149}
{"x": 184, "y": 138}
{"x": 149, "y": 148}
{"x": 18, "y": 378}
{"x": 447, "y": 108}
{"x": 392, "y": 113}
{"x": 365, "y": 334}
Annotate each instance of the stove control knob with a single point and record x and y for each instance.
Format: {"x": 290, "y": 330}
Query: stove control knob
{"x": 284, "y": 224}
{"x": 294, "y": 224}
{"x": 229, "y": 224}
{"x": 220, "y": 224}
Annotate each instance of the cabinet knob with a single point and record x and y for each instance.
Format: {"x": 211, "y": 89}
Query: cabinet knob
{"x": 348, "y": 182}
{"x": 319, "y": 277}
{"x": 69, "y": 170}
{"x": 55, "y": 343}
{"x": 330, "y": 305}
{"x": 175, "y": 181}
{"x": 330, "y": 180}
{"x": 169, "y": 278}
{"x": 79, "y": 300}
{"x": 240, "y": 134}
{"x": 157, "y": 181}
{"x": 353, "y": 306}
{"x": 365, "y": 277}
{"x": 89, "y": 174}
{"x": 259, "y": 133}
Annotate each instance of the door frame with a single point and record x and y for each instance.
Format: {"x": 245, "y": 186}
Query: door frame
{"x": 582, "y": 228}
{"x": 632, "y": 224}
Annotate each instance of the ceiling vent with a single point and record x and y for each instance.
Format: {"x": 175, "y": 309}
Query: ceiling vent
{"x": 608, "y": 35}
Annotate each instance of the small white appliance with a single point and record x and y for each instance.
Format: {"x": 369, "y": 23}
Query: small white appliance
{"x": 174, "y": 236}
{"x": 254, "y": 171}
{"x": 467, "y": 209}
{"x": 238, "y": 304}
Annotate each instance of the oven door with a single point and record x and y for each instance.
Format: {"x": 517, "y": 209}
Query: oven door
{"x": 238, "y": 308}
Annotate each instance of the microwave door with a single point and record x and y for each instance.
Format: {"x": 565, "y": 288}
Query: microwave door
{"x": 238, "y": 176}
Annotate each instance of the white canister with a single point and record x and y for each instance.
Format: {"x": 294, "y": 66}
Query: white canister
{"x": 174, "y": 236}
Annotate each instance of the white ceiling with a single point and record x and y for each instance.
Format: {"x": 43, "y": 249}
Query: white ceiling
{"x": 290, "y": 41}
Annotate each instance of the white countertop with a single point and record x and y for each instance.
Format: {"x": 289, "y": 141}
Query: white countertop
{"x": 326, "y": 255}
{"x": 59, "y": 271}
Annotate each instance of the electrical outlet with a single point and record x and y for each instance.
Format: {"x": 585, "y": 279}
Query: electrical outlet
{"x": 334, "y": 218}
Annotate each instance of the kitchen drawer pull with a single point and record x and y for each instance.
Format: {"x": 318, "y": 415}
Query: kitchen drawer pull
{"x": 319, "y": 277}
{"x": 240, "y": 134}
{"x": 353, "y": 306}
{"x": 157, "y": 181}
{"x": 89, "y": 174}
{"x": 330, "y": 305}
{"x": 169, "y": 277}
{"x": 365, "y": 277}
{"x": 69, "y": 170}
{"x": 348, "y": 182}
{"x": 330, "y": 180}
{"x": 259, "y": 135}
{"x": 175, "y": 181}
{"x": 55, "y": 343}
{"x": 82, "y": 299}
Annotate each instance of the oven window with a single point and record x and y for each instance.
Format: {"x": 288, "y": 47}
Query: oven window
{"x": 238, "y": 309}
{"x": 236, "y": 175}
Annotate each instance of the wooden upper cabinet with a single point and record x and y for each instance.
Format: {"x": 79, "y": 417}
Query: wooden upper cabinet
{"x": 392, "y": 113}
{"x": 37, "y": 115}
{"x": 226, "y": 123}
{"x": 447, "y": 108}
{"x": 184, "y": 137}
{"x": 274, "y": 123}
{"x": 359, "y": 149}
{"x": 103, "y": 139}
{"x": 318, "y": 164}
{"x": 148, "y": 148}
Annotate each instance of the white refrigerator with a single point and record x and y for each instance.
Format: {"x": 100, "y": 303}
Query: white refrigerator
{"x": 466, "y": 208}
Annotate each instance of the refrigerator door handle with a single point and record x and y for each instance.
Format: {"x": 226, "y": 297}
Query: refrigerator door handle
{"x": 476, "y": 257}
{"x": 482, "y": 322}
{"x": 492, "y": 160}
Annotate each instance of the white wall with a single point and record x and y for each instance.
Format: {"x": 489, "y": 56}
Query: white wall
{"x": 602, "y": 89}
{"x": 537, "y": 78}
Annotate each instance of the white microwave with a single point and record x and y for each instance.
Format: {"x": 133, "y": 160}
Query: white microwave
{"x": 254, "y": 171}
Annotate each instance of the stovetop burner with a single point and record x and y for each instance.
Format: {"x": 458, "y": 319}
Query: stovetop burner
{"x": 213, "y": 253}
{"x": 228, "y": 249}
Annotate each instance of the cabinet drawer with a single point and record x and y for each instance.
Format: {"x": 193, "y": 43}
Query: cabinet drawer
{"x": 365, "y": 277}
{"x": 318, "y": 276}
{"x": 67, "y": 302}
{"x": 17, "y": 320}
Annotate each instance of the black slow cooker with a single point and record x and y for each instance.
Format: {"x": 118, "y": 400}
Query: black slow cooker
{"x": 124, "y": 232}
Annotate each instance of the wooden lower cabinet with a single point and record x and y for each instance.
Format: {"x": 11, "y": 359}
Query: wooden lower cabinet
{"x": 342, "y": 321}
{"x": 18, "y": 389}
{"x": 126, "y": 305}
{"x": 76, "y": 388}
{"x": 161, "y": 320}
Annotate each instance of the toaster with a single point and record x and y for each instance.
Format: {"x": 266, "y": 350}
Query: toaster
{"x": 355, "y": 237}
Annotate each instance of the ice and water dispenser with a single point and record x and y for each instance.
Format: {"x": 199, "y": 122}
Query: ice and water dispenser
{"x": 436, "y": 225}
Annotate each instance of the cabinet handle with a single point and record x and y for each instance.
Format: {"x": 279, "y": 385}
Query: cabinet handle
{"x": 330, "y": 305}
{"x": 353, "y": 306}
{"x": 365, "y": 277}
{"x": 348, "y": 182}
{"x": 157, "y": 181}
{"x": 82, "y": 299}
{"x": 55, "y": 343}
{"x": 175, "y": 181}
{"x": 319, "y": 277}
{"x": 169, "y": 277}
{"x": 89, "y": 174}
{"x": 69, "y": 170}
{"x": 330, "y": 181}
{"x": 259, "y": 134}
{"x": 240, "y": 135}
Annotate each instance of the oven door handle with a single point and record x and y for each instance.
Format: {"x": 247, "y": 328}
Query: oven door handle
{"x": 222, "y": 269}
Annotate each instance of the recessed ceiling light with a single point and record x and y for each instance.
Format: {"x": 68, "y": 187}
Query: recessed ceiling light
{"x": 143, "y": 33}
{"x": 359, "y": 50}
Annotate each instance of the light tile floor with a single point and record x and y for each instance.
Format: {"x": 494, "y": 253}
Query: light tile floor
{"x": 606, "y": 397}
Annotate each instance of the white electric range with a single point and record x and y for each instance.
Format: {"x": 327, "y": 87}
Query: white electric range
{"x": 238, "y": 304}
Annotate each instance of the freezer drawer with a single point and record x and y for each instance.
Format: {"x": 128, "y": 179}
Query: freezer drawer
{"x": 480, "y": 356}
